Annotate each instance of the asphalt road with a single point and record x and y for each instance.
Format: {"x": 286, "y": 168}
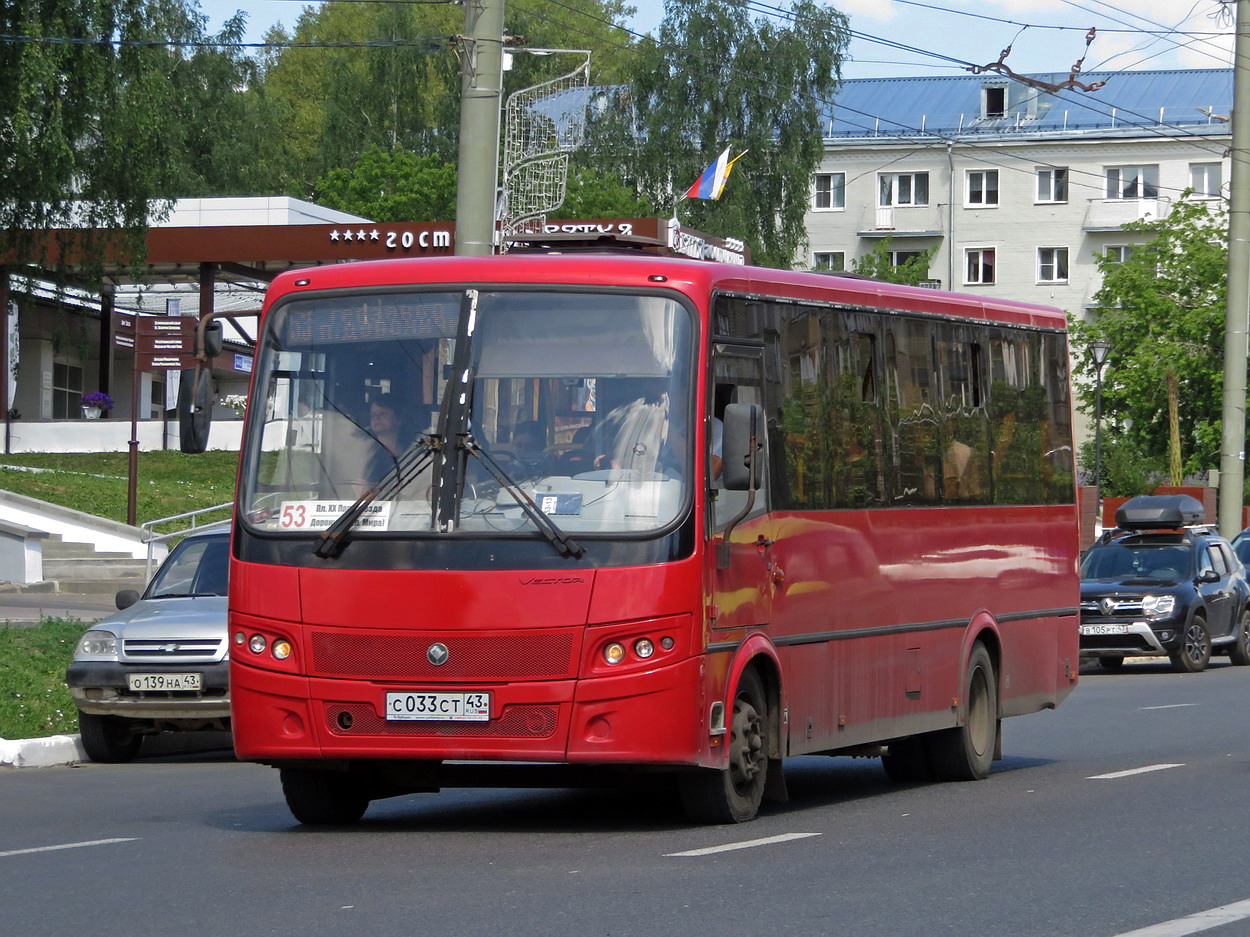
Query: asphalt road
{"x": 1059, "y": 841}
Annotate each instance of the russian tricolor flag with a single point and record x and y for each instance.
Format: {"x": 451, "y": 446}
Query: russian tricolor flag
{"x": 712, "y": 183}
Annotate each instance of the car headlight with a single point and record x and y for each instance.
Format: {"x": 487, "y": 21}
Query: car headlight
{"x": 1158, "y": 606}
{"x": 96, "y": 645}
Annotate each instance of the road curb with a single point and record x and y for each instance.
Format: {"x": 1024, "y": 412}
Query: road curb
{"x": 42, "y": 753}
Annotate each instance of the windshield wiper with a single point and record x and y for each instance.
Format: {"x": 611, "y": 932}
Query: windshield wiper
{"x": 407, "y": 467}
{"x": 564, "y": 544}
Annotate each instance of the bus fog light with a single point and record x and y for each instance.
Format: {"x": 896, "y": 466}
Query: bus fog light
{"x": 667, "y": 643}
{"x": 614, "y": 653}
{"x": 257, "y": 644}
{"x": 281, "y": 649}
{"x": 240, "y": 637}
{"x": 644, "y": 648}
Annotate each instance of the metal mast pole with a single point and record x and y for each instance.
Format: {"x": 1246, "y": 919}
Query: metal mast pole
{"x": 1237, "y": 315}
{"x": 480, "y": 93}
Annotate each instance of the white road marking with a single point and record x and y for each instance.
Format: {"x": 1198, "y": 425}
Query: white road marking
{"x": 94, "y": 842}
{"x": 1168, "y": 706}
{"x": 1203, "y": 920}
{"x": 1129, "y": 773}
{"x": 729, "y": 847}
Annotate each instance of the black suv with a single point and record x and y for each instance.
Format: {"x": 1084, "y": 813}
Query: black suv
{"x": 1161, "y": 583}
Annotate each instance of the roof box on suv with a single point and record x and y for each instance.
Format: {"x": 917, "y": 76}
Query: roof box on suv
{"x": 1149, "y": 512}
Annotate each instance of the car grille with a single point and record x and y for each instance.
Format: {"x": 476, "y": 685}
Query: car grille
{"x": 168, "y": 650}
{"x": 1127, "y": 607}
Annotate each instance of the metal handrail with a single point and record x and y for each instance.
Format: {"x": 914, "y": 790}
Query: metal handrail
{"x": 151, "y": 538}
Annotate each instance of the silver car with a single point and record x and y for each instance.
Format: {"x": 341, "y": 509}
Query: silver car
{"x": 161, "y": 663}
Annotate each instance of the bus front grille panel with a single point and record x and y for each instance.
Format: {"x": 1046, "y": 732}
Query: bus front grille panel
{"x": 538, "y": 656}
{"x": 520, "y": 721}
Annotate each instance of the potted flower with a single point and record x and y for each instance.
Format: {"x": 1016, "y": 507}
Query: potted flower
{"x": 95, "y": 403}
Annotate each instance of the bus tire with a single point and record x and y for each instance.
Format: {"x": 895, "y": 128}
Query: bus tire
{"x": 733, "y": 794}
{"x": 966, "y": 752}
{"x": 906, "y": 761}
{"x": 108, "y": 739}
{"x": 322, "y": 797}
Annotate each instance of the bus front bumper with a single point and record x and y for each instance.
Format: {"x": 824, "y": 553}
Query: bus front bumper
{"x": 649, "y": 717}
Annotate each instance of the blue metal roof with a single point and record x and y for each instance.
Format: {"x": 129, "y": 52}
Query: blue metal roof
{"x": 1129, "y": 103}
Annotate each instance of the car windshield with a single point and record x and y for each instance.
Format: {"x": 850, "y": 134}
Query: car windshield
{"x": 1137, "y": 560}
{"x": 574, "y": 404}
{"x": 197, "y": 566}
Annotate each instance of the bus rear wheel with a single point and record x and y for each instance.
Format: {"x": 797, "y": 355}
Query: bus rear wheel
{"x": 733, "y": 794}
{"x": 966, "y": 752}
{"x": 323, "y": 797}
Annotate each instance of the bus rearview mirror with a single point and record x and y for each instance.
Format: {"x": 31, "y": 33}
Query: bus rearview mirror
{"x": 741, "y": 446}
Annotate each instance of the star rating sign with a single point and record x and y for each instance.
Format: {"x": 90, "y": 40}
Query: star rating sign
{"x": 334, "y": 235}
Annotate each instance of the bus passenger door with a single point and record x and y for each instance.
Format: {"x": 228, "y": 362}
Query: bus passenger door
{"x": 739, "y": 557}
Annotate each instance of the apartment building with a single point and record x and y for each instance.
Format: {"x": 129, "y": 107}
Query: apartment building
{"x": 1015, "y": 187}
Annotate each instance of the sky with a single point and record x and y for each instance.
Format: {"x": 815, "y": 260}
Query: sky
{"x": 1045, "y": 35}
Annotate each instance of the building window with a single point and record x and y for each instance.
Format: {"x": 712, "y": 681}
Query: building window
{"x": 830, "y": 191}
{"x": 1117, "y": 253}
{"x": 66, "y": 390}
{"x": 903, "y": 188}
{"x": 1206, "y": 179}
{"x": 979, "y": 265}
{"x": 899, "y": 258}
{"x": 982, "y": 187}
{"x": 829, "y": 260}
{"x": 994, "y": 101}
{"x": 1052, "y": 184}
{"x": 1133, "y": 182}
{"x": 1052, "y": 265}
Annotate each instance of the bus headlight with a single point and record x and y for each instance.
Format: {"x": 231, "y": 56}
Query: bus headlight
{"x": 644, "y": 648}
{"x": 257, "y": 643}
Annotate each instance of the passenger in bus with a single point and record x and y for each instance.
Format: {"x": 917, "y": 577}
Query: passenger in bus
{"x": 529, "y": 446}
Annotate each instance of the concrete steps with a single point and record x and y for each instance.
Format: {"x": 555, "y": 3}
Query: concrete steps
{"x": 79, "y": 568}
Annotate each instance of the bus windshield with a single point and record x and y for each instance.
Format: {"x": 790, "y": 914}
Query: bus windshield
{"x": 579, "y": 402}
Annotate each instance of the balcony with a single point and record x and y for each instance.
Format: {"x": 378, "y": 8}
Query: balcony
{"x": 901, "y": 221}
{"x": 1112, "y": 214}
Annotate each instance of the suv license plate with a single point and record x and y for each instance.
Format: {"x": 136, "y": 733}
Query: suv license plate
{"x": 146, "y": 682}
{"x": 1104, "y": 629}
{"x": 440, "y": 707}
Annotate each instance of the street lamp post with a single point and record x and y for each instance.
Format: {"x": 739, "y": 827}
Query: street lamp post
{"x": 1098, "y": 350}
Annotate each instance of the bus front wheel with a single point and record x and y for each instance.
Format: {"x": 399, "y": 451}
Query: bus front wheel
{"x": 733, "y": 794}
{"x": 322, "y": 797}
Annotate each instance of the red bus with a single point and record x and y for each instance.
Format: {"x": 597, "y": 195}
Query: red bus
{"x": 644, "y": 514}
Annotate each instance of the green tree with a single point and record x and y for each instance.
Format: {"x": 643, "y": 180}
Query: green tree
{"x": 394, "y": 82}
{"x": 913, "y": 271}
{"x": 108, "y": 110}
{"x": 713, "y": 76}
{"x": 393, "y": 185}
{"x": 1162, "y": 309}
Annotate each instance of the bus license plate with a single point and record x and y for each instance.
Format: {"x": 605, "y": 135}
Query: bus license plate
{"x": 1104, "y": 629}
{"x": 149, "y": 682}
{"x": 441, "y": 707}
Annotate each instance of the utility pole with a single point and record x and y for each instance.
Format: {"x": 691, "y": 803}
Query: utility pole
{"x": 1237, "y": 314}
{"x": 481, "y": 89}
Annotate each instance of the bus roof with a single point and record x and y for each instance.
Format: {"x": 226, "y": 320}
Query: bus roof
{"x": 693, "y": 277}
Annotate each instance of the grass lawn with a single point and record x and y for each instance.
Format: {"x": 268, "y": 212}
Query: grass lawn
{"x": 34, "y": 700}
{"x": 167, "y": 483}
